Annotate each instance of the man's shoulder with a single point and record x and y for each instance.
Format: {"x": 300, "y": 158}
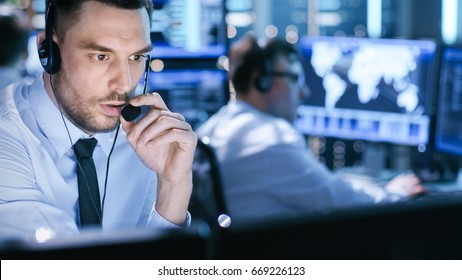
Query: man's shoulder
{"x": 238, "y": 119}
{"x": 8, "y": 109}
{"x": 12, "y": 128}
{"x": 14, "y": 136}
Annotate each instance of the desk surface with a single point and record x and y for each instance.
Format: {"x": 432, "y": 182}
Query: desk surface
{"x": 359, "y": 177}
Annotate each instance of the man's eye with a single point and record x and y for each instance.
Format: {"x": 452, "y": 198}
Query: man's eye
{"x": 101, "y": 57}
{"x": 137, "y": 57}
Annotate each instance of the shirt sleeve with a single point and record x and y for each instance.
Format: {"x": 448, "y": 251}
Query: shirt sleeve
{"x": 25, "y": 211}
{"x": 313, "y": 185}
{"x": 157, "y": 221}
{"x": 286, "y": 180}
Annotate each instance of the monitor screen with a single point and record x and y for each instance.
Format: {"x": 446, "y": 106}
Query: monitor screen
{"x": 196, "y": 94}
{"x": 188, "y": 29}
{"x": 376, "y": 90}
{"x": 448, "y": 131}
{"x": 38, "y": 16}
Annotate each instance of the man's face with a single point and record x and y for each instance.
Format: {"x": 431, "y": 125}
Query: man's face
{"x": 288, "y": 88}
{"x": 103, "y": 59}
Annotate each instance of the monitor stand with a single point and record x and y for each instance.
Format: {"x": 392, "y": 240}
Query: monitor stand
{"x": 384, "y": 162}
{"x": 374, "y": 164}
{"x": 381, "y": 162}
{"x": 374, "y": 159}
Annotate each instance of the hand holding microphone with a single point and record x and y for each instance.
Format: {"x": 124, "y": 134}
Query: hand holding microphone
{"x": 165, "y": 143}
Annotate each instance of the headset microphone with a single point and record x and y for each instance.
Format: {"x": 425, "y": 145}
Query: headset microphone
{"x": 130, "y": 112}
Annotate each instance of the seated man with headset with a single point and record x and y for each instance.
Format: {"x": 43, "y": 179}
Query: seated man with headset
{"x": 64, "y": 165}
{"x": 267, "y": 170}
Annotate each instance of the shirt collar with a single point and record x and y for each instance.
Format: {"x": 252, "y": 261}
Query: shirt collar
{"x": 242, "y": 105}
{"x": 51, "y": 123}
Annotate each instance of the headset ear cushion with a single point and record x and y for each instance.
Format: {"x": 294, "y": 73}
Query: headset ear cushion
{"x": 50, "y": 57}
{"x": 263, "y": 83}
{"x": 55, "y": 59}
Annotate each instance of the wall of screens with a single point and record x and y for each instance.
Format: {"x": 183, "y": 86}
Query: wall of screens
{"x": 195, "y": 93}
{"x": 188, "y": 29}
{"x": 189, "y": 39}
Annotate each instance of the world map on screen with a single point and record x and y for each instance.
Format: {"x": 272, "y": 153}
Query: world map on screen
{"x": 367, "y": 66}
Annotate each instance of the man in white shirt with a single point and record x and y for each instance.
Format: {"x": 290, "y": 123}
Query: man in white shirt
{"x": 94, "y": 54}
{"x": 267, "y": 170}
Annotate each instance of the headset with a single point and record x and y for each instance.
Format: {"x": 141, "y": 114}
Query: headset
{"x": 48, "y": 51}
{"x": 263, "y": 82}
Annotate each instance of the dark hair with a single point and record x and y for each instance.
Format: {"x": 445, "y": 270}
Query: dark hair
{"x": 255, "y": 59}
{"x": 70, "y": 9}
{"x": 13, "y": 34}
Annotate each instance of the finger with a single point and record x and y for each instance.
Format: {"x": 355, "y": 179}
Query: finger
{"x": 172, "y": 136}
{"x": 416, "y": 190}
{"x": 162, "y": 126}
{"x": 155, "y": 118}
{"x": 154, "y": 100}
{"x": 413, "y": 179}
{"x": 408, "y": 178}
{"x": 154, "y": 114}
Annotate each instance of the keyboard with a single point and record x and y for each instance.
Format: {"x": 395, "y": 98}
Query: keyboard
{"x": 437, "y": 197}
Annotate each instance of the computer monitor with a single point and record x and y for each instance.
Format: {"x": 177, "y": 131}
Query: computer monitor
{"x": 378, "y": 90}
{"x": 402, "y": 230}
{"x": 188, "y": 29}
{"x": 179, "y": 28}
{"x": 448, "y": 131}
{"x": 195, "y": 93}
{"x": 141, "y": 243}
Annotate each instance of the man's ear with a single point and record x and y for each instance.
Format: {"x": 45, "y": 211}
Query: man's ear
{"x": 40, "y": 38}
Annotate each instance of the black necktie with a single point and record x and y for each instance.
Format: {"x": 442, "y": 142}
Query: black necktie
{"x": 89, "y": 199}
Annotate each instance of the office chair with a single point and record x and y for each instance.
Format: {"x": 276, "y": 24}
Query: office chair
{"x": 207, "y": 199}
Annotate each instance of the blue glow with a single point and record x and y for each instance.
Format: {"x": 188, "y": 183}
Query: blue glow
{"x": 374, "y": 18}
{"x": 449, "y": 21}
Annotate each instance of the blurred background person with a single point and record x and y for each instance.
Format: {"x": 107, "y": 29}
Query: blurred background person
{"x": 14, "y": 33}
{"x": 267, "y": 169}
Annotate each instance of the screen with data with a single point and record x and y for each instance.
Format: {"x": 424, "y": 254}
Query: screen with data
{"x": 448, "y": 136}
{"x": 196, "y": 94}
{"x": 188, "y": 29}
{"x": 378, "y": 90}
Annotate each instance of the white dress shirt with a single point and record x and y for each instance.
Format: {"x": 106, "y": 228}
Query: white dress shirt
{"x": 269, "y": 172}
{"x": 8, "y": 75}
{"x": 38, "y": 178}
